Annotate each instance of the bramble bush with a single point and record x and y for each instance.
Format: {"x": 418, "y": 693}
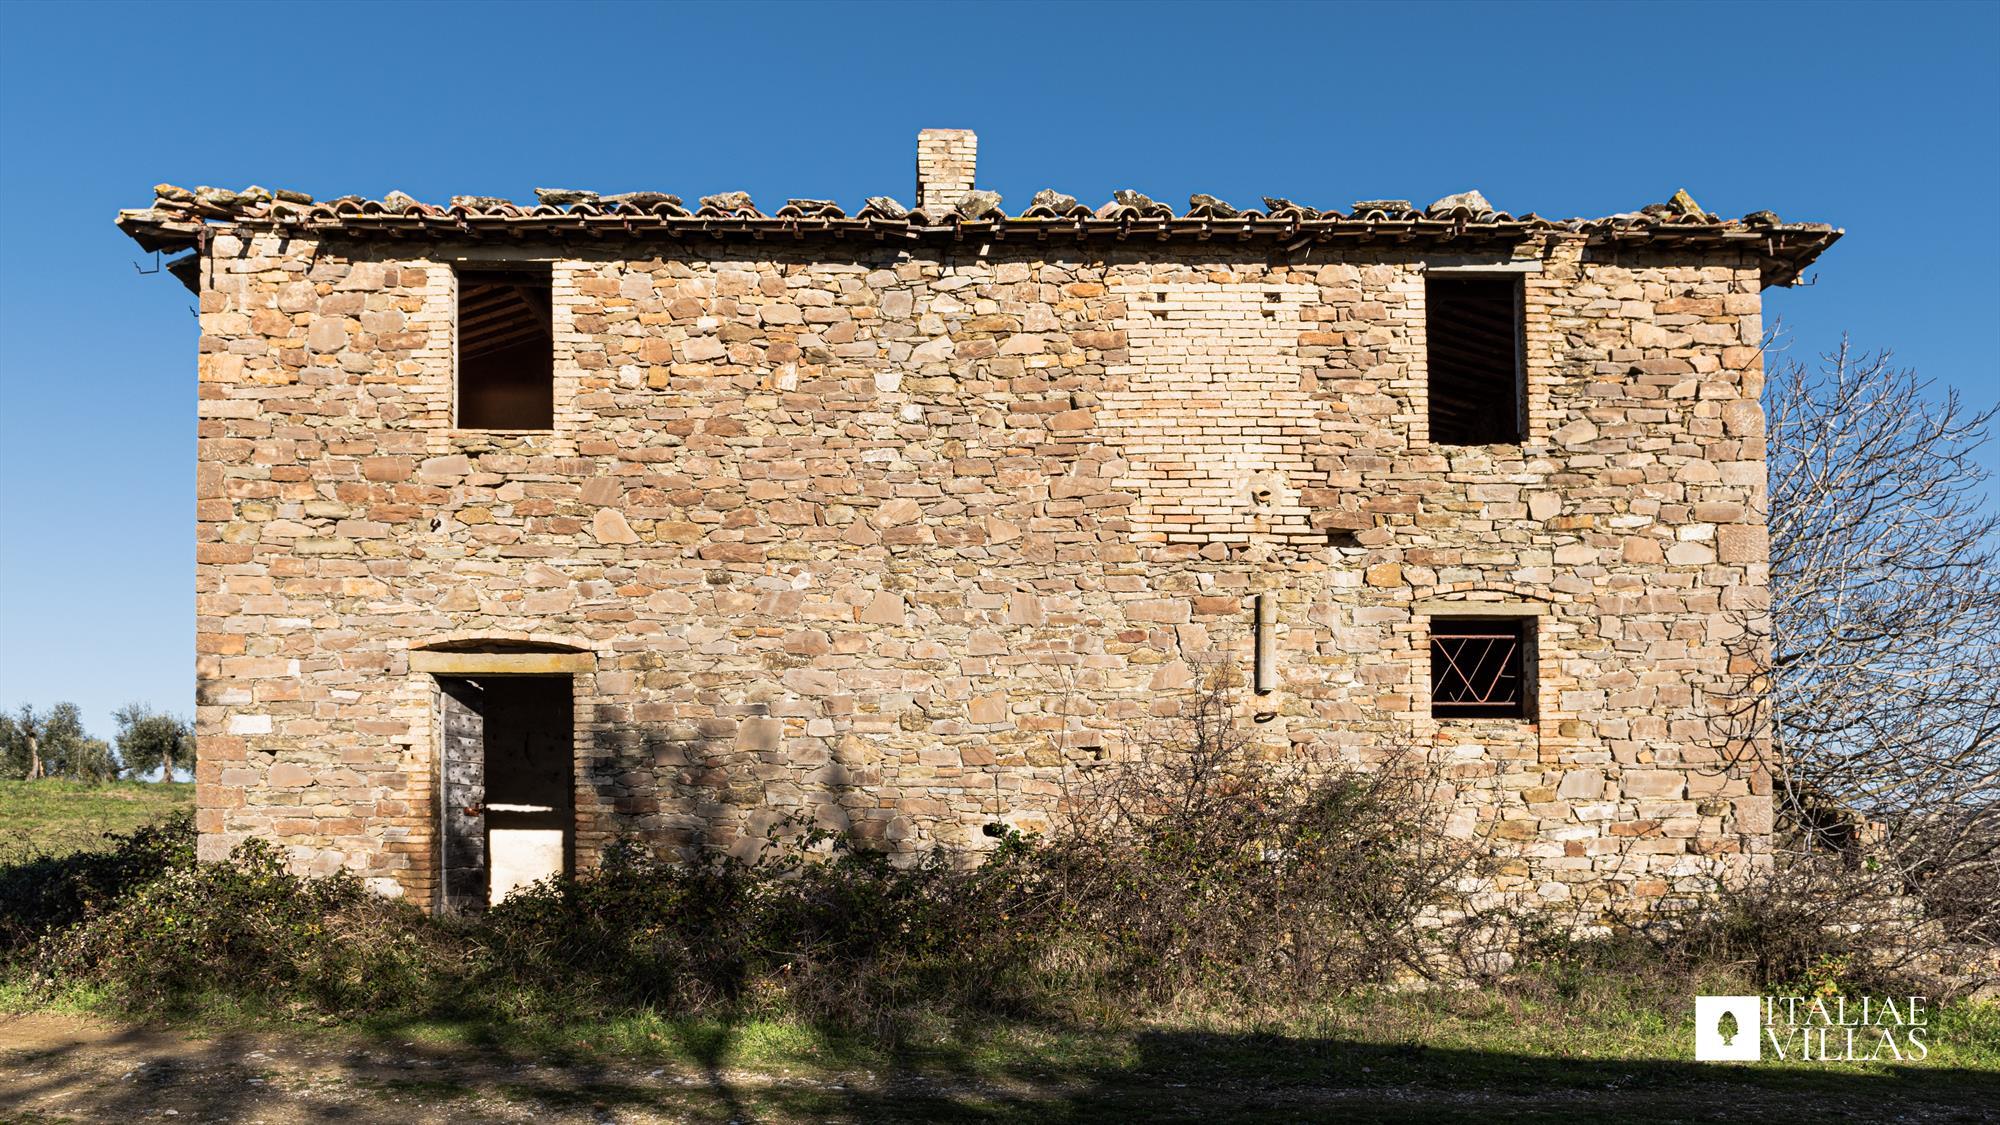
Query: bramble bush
{"x": 813, "y": 928}
{"x": 1193, "y": 871}
{"x": 1194, "y": 868}
{"x": 251, "y": 930}
{"x": 41, "y": 894}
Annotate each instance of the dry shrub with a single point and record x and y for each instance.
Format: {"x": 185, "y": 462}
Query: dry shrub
{"x": 1813, "y": 921}
{"x": 1200, "y": 863}
{"x": 1193, "y": 867}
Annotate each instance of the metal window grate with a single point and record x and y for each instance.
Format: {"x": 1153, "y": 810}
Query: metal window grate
{"x": 1477, "y": 669}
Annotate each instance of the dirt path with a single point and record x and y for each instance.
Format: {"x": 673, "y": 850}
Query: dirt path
{"x": 67, "y": 1068}
{"x": 64, "y": 1068}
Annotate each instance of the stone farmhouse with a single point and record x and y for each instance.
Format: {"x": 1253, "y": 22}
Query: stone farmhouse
{"x": 523, "y": 528}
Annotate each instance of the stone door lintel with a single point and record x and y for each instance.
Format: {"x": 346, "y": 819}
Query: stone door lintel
{"x": 502, "y": 663}
{"x": 1454, "y": 607}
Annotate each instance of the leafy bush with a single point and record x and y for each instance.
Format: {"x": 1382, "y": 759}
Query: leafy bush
{"x": 252, "y": 930}
{"x": 816, "y": 926}
{"x": 1193, "y": 869}
{"x": 45, "y": 893}
{"x": 813, "y": 928}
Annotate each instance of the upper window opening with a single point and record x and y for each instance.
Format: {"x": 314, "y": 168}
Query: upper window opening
{"x": 1479, "y": 668}
{"x": 506, "y": 350}
{"x": 1477, "y": 392}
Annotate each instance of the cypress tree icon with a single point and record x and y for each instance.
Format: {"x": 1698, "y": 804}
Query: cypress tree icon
{"x": 1727, "y": 1028}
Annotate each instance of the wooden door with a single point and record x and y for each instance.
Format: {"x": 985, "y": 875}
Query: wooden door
{"x": 462, "y": 795}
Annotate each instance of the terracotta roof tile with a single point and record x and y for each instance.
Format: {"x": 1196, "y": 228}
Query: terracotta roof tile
{"x": 180, "y": 219}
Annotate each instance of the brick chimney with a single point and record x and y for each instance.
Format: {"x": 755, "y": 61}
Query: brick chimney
{"x": 945, "y": 162}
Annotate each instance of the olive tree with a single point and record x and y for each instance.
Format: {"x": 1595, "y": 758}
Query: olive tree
{"x": 53, "y": 743}
{"x": 146, "y": 736}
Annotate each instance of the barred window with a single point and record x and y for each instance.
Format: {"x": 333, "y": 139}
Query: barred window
{"x": 1480, "y": 667}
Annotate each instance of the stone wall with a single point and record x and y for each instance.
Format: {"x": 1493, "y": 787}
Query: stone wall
{"x": 897, "y": 539}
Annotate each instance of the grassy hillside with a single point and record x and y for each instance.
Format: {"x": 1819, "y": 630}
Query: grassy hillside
{"x": 59, "y": 817}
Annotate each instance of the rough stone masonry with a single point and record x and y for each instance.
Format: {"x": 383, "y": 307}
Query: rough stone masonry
{"x": 892, "y": 519}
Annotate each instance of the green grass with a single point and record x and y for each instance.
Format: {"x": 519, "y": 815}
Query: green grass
{"x": 1416, "y": 1054}
{"x": 1517, "y": 1037}
{"x": 59, "y": 817}
{"x": 1538, "y": 1031}
{"x": 1554, "y": 1044}
{"x": 1419, "y": 1056}
{"x": 1599, "y": 1047}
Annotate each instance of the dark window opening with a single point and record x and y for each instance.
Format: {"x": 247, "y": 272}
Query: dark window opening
{"x": 1480, "y": 668}
{"x": 1473, "y": 329}
{"x": 506, "y": 350}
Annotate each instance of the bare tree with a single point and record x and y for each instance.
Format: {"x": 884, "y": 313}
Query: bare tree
{"x": 1885, "y": 622}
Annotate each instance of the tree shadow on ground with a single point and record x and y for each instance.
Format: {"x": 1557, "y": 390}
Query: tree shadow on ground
{"x": 1165, "y": 1076}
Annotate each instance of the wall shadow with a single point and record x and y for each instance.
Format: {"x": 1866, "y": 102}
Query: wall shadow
{"x": 1166, "y": 1076}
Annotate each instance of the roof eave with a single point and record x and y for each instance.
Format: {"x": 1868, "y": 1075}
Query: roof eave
{"x": 1785, "y": 251}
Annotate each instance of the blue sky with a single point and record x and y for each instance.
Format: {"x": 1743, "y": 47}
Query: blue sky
{"x": 1878, "y": 118}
